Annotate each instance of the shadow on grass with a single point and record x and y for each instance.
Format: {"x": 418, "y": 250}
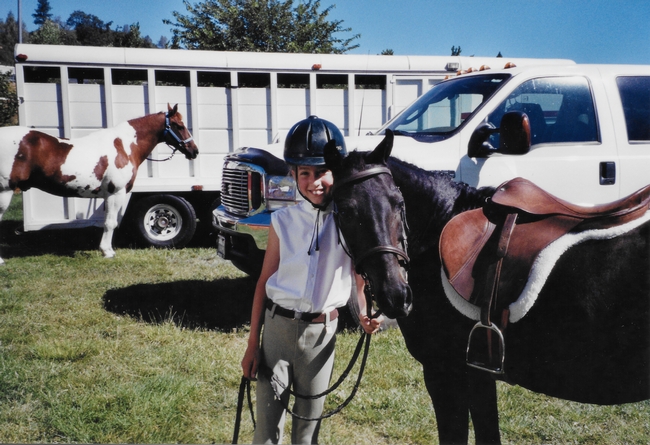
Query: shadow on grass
{"x": 220, "y": 304}
{"x": 216, "y": 305}
{"x": 15, "y": 243}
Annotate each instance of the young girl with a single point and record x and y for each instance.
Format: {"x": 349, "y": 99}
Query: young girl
{"x": 305, "y": 277}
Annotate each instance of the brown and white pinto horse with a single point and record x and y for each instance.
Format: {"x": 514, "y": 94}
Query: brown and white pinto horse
{"x": 103, "y": 164}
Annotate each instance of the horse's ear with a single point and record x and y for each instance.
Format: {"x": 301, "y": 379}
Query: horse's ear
{"x": 172, "y": 111}
{"x": 381, "y": 153}
{"x": 332, "y": 156}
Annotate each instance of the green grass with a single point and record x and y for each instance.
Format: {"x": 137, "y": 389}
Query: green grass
{"x": 145, "y": 348}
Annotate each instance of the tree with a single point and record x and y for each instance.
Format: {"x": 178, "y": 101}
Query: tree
{"x": 130, "y": 37}
{"x": 259, "y": 25}
{"x": 50, "y": 33}
{"x": 387, "y": 52}
{"x": 163, "y": 42}
{"x": 8, "y": 101}
{"x": 455, "y": 50}
{"x": 9, "y": 38}
{"x": 42, "y": 13}
{"x": 90, "y": 30}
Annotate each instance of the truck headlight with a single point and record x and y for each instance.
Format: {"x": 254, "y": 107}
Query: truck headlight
{"x": 281, "y": 191}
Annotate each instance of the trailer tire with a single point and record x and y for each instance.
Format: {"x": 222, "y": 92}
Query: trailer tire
{"x": 163, "y": 221}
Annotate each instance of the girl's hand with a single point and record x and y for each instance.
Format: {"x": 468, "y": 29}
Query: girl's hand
{"x": 370, "y": 325}
{"x": 250, "y": 362}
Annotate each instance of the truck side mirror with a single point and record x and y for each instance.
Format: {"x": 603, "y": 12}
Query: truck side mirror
{"x": 478, "y": 146}
{"x": 515, "y": 133}
{"x": 514, "y": 140}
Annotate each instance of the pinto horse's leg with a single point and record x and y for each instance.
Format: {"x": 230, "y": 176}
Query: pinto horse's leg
{"x": 5, "y": 200}
{"x": 113, "y": 205}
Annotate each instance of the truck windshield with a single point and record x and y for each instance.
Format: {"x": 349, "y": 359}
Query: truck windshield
{"x": 444, "y": 108}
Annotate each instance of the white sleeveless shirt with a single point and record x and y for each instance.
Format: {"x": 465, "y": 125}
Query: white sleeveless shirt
{"x": 315, "y": 273}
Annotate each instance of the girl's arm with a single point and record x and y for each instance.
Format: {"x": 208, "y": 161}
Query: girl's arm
{"x": 251, "y": 359}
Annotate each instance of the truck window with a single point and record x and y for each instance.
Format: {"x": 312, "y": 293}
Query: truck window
{"x": 635, "y": 96}
{"x": 444, "y": 108}
{"x": 560, "y": 109}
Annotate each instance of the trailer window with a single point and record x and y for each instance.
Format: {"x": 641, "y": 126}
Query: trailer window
{"x": 635, "y": 97}
{"x": 129, "y": 77}
{"x": 332, "y": 81}
{"x": 172, "y": 78}
{"x": 254, "y": 80}
{"x": 214, "y": 79}
{"x": 369, "y": 82}
{"x": 42, "y": 74}
{"x": 93, "y": 76}
{"x": 300, "y": 81}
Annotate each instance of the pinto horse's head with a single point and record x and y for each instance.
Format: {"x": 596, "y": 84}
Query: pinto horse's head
{"x": 177, "y": 135}
{"x": 371, "y": 217}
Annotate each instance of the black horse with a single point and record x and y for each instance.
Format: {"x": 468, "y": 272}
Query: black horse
{"x": 586, "y": 339}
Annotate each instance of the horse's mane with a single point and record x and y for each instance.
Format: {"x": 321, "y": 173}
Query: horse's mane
{"x": 160, "y": 113}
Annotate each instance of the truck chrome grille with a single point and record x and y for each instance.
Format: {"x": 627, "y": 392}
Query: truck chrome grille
{"x": 240, "y": 191}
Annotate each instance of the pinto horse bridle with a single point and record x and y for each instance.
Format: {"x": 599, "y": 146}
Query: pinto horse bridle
{"x": 169, "y": 133}
{"x": 358, "y": 260}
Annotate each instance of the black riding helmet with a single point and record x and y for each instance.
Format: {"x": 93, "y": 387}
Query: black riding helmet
{"x": 305, "y": 143}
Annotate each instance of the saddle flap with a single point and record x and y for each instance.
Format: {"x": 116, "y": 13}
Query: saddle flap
{"x": 461, "y": 241}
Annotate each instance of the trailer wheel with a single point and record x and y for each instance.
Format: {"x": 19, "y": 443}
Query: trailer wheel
{"x": 164, "y": 221}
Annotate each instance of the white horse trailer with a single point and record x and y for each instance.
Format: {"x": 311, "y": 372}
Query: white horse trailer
{"x": 228, "y": 100}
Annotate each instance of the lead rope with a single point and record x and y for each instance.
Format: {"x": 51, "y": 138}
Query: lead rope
{"x": 244, "y": 386}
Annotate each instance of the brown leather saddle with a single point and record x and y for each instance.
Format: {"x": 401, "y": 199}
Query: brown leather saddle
{"x": 487, "y": 253}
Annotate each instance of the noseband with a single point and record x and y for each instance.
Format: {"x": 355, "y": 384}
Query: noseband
{"x": 400, "y": 253}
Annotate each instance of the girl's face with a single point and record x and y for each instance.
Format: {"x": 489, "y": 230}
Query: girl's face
{"x": 315, "y": 183}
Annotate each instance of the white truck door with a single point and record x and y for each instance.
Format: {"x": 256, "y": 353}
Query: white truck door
{"x": 631, "y": 116}
{"x": 573, "y": 151}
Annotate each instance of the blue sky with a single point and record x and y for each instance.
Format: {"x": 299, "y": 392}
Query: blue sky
{"x": 587, "y": 31}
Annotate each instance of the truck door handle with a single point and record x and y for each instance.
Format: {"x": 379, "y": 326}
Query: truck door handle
{"x": 607, "y": 173}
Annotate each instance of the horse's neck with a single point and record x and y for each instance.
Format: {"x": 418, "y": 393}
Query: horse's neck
{"x": 432, "y": 199}
{"x": 149, "y": 133}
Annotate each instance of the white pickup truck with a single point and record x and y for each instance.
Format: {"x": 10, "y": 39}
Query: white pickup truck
{"x": 590, "y": 143}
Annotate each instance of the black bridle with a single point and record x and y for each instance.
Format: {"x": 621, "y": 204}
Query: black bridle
{"x": 399, "y": 252}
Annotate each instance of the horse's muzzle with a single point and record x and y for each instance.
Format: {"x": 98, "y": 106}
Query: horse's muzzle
{"x": 397, "y": 305}
{"x": 190, "y": 150}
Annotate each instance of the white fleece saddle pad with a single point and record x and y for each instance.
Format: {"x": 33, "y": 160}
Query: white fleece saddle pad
{"x": 541, "y": 270}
